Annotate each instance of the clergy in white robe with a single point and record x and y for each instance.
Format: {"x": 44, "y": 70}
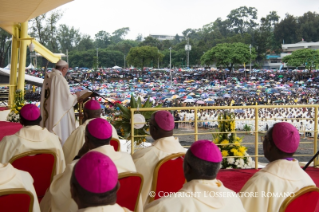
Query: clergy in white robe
{"x": 12, "y": 178}
{"x": 94, "y": 183}
{"x": 281, "y": 177}
{"x": 202, "y": 192}
{"x": 31, "y": 137}
{"x": 98, "y": 135}
{"x": 71, "y": 147}
{"x": 57, "y": 103}
{"x": 161, "y": 130}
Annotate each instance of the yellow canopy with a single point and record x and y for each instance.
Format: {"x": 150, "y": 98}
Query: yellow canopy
{"x": 17, "y": 11}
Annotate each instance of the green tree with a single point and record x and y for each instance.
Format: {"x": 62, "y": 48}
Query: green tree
{"x": 139, "y": 38}
{"x": 303, "y": 57}
{"x": 5, "y": 44}
{"x": 102, "y": 39}
{"x": 143, "y": 55}
{"x": 242, "y": 19}
{"x": 228, "y": 55}
{"x": 119, "y": 34}
{"x": 86, "y": 43}
{"x": 286, "y": 30}
{"x": 68, "y": 37}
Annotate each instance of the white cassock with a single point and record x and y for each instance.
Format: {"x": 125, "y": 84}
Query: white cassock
{"x": 11, "y": 177}
{"x": 59, "y": 195}
{"x": 76, "y": 140}
{"x": 32, "y": 138}
{"x": 204, "y": 199}
{"x": 146, "y": 159}
{"x": 57, "y": 109}
{"x": 109, "y": 208}
{"x": 279, "y": 176}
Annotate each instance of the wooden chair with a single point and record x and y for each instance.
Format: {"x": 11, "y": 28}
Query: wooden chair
{"x": 130, "y": 189}
{"x": 305, "y": 200}
{"x": 116, "y": 144}
{"x": 16, "y": 199}
{"x": 168, "y": 175}
{"x": 41, "y": 164}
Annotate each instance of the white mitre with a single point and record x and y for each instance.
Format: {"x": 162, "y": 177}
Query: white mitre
{"x": 61, "y": 63}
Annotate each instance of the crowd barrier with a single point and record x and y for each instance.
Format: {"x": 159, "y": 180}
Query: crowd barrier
{"x": 256, "y": 131}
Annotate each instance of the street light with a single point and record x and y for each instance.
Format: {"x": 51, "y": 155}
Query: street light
{"x": 170, "y": 63}
{"x": 97, "y": 57}
{"x": 250, "y": 59}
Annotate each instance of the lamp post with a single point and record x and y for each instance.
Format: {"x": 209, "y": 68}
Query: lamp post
{"x": 97, "y": 57}
{"x": 250, "y": 59}
{"x": 170, "y": 63}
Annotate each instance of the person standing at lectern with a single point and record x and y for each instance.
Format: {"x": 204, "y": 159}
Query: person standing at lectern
{"x": 57, "y": 102}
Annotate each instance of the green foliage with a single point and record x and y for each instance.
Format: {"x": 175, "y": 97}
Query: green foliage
{"x": 247, "y": 128}
{"x": 107, "y": 58}
{"x": 228, "y": 55}
{"x": 229, "y": 143}
{"x": 19, "y": 102}
{"x": 123, "y": 120}
{"x": 303, "y": 57}
{"x": 143, "y": 55}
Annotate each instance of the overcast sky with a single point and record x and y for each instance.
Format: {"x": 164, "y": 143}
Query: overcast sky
{"x": 167, "y": 17}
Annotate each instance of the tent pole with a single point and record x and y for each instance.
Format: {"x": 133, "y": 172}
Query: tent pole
{"x": 13, "y": 68}
{"x": 23, "y": 54}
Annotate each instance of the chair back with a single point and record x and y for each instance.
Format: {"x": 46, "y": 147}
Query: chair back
{"x": 41, "y": 164}
{"x": 168, "y": 175}
{"x": 130, "y": 189}
{"x": 116, "y": 144}
{"x": 16, "y": 199}
{"x": 305, "y": 200}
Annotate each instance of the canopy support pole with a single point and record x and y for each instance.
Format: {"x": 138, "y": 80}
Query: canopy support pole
{"x": 13, "y": 68}
{"x": 22, "y": 57}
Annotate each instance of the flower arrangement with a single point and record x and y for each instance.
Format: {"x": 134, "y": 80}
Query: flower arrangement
{"x": 230, "y": 143}
{"x": 123, "y": 120}
{"x": 14, "y": 116}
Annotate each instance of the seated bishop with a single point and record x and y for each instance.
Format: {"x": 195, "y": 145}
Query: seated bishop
{"x": 71, "y": 147}
{"x": 12, "y": 178}
{"x": 98, "y": 134}
{"x": 31, "y": 137}
{"x": 94, "y": 184}
{"x": 161, "y": 130}
{"x": 281, "y": 176}
{"x": 202, "y": 192}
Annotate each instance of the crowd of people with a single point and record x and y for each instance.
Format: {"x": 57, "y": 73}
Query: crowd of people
{"x": 88, "y": 167}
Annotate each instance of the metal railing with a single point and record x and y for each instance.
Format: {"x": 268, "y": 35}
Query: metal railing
{"x": 256, "y": 130}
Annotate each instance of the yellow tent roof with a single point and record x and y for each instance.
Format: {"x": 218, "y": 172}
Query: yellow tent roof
{"x": 13, "y": 12}
{"x": 17, "y": 11}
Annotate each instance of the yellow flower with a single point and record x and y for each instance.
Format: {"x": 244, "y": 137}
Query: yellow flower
{"x": 242, "y": 149}
{"x": 225, "y": 153}
{"x": 16, "y": 111}
{"x": 19, "y": 108}
{"x": 234, "y": 151}
{"x": 147, "y": 129}
{"x": 144, "y": 140}
{"x": 239, "y": 154}
{"x": 236, "y": 143}
{"x": 224, "y": 142}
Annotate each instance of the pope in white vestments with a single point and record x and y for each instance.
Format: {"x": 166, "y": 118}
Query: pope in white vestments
{"x": 282, "y": 176}
{"x": 31, "y": 137}
{"x": 202, "y": 192}
{"x": 161, "y": 130}
{"x": 59, "y": 196}
{"x": 71, "y": 147}
{"x": 11, "y": 177}
{"x": 57, "y": 103}
{"x": 94, "y": 183}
